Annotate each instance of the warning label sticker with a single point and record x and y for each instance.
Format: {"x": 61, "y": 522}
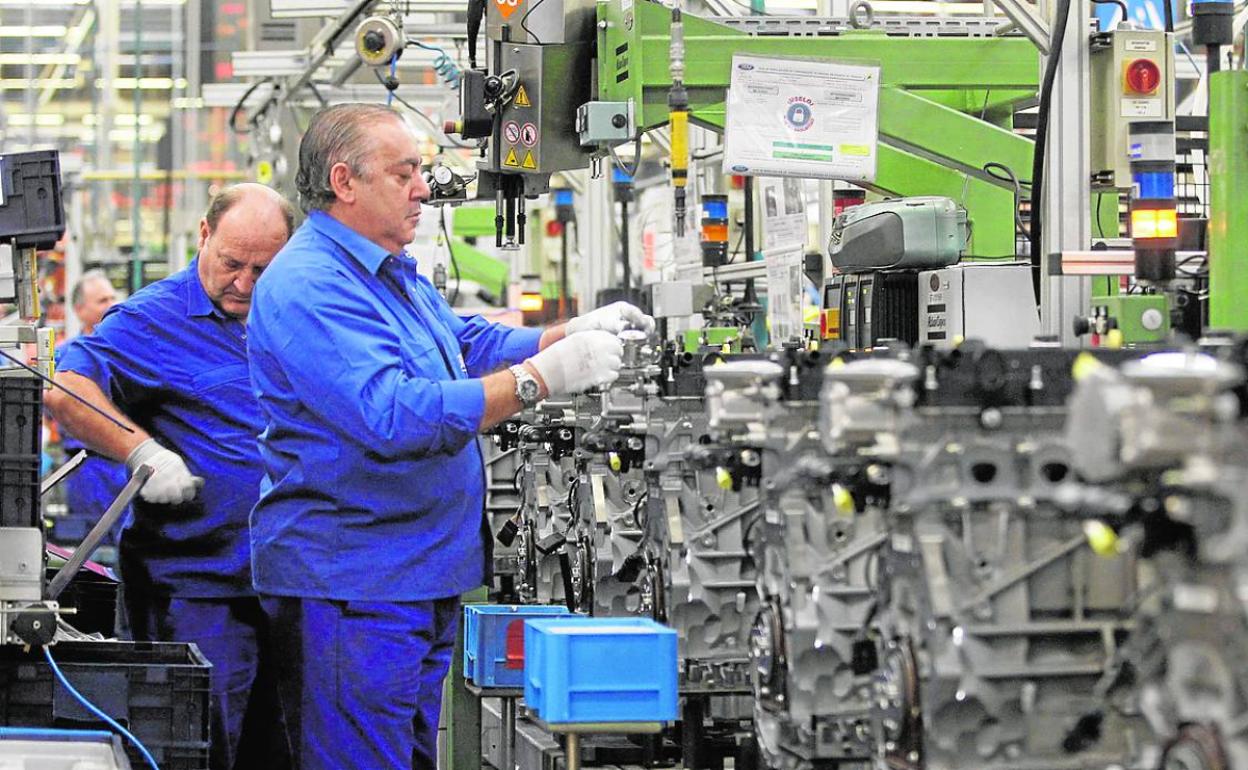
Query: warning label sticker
{"x": 508, "y": 7}
{"x": 511, "y": 160}
{"x": 511, "y": 131}
{"x": 522, "y": 98}
{"x": 528, "y": 134}
{"x": 528, "y": 161}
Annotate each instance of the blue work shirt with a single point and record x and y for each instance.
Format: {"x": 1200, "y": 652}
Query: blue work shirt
{"x": 374, "y": 486}
{"x": 93, "y": 486}
{"x": 176, "y": 365}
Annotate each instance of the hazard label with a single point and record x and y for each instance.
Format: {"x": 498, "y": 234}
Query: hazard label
{"x": 510, "y": 160}
{"x": 528, "y": 161}
{"x": 522, "y": 98}
{"x": 528, "y": 134}
{"x": 511, "y": 132}
{"x": 508, "y": 7}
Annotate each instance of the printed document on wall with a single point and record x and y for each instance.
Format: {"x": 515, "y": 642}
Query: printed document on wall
{"x": 784, "y": 293}
{"x": 791, "y": 117}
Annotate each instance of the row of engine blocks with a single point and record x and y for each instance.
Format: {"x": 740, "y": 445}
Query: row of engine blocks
{"x": 1033, "y": 559}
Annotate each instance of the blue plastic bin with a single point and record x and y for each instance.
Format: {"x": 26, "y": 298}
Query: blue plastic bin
{"x": 579, "y": 670}
{"x": 494, "y": 641}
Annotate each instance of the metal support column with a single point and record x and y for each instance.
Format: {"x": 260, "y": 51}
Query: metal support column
{"x": 595, "y": 240}
{"x": 1067, "y": 193}
{"x": 103, "y": 215}
{"x": 1228, "y": 200}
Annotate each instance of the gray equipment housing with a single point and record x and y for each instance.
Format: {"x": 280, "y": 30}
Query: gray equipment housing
{"x": 922, "y": 232}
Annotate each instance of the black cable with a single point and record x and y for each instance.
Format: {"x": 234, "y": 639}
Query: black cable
{"x": 525, "y": 18}
{"x": 423, "y": 115}
{"x": 636, "y": 158}
{"x": 1168, "y": 9}
{"x": 1121, "y": 5}
{"x": 476, "y": 12}
{"x": 242, "y": 100}
{"x": 74, "y": 395}
{"x": 450, "y": 300}
{"x": 317, "y": 93}
{"x": 1007, "y": 175}
{"x": 1042, "y": 139}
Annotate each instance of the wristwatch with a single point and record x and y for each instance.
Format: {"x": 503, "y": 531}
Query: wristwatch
{"x": 528, "y": 390}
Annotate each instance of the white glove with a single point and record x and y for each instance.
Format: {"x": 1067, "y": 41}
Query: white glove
{"x": 613, "y": 318}
{"x": 579, "y": 362}
{"x": 171, "y": 482}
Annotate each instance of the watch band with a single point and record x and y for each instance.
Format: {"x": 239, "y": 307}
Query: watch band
{"x": 525, "y": 381}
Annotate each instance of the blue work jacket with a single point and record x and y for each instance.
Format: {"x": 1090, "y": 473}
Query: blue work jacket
{"x": 176, "y": 365}
{"x": 374, "y": 486}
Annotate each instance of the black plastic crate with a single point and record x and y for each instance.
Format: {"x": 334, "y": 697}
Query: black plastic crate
{"x": 94, "y": 600}
{"x": 157, "y": 690}
{"x": 31, "y": 212}
{"x": 21, "y": 440}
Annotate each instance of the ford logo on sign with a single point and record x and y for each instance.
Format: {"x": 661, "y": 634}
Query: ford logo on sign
{"x": 740, "y": 169}
{"x": 746, "y": 67}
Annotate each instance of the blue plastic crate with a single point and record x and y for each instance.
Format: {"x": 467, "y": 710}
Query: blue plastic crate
{"x": 494, "y": 641}
{"x": 579, "y": 670}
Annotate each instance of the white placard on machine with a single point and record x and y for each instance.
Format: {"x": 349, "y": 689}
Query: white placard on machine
{"x": 794, "y": 117}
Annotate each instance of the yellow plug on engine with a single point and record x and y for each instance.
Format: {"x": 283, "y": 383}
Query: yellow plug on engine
{"x": 1102, "y": 538}
{"x": 723, "y": 478}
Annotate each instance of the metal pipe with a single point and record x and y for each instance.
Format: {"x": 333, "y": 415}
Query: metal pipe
{"x": 508, "y": 748}
{"x": 136, "y": 187}
{"x": 573, "y": 751}
{"x": 627, "y": 278}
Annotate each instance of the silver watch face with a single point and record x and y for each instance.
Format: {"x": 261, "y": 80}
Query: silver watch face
{"x": 528, "y": 389}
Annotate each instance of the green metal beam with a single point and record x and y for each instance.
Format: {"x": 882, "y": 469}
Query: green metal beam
{"x": 1228, "y": 200}
{"x": 475, "y": 265}
{"x": 935, "y": 92}
{"x": 990, "y": 208}
{"x": 910, "y": 119}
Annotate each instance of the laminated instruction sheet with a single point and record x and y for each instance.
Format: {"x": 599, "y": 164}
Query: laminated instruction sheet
{"x": 793, "y": 117}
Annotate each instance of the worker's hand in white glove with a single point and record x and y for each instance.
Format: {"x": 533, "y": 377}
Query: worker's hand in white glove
{"x": 613, "y": 318}
{"x": 579, "y": 362}
{"x": 171, "y": 482}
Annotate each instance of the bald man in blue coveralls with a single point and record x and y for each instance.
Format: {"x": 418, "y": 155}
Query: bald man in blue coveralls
{"x": 171, "y": 363}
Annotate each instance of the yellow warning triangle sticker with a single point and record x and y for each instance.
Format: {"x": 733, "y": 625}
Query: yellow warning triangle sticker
{"x": 528, "y": 160}
{"x": 522, "y": 98}
{"x": 510, "y": 160}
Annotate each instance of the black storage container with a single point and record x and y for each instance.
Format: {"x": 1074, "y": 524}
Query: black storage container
{"x": 157, "y": 690}
{"x": 21, "y": 408}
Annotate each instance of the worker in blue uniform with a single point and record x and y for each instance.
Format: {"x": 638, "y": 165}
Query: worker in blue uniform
{"x": 171, "y": 364}
{"x": 370, "y": 522}
{"x": 91, "y": 488}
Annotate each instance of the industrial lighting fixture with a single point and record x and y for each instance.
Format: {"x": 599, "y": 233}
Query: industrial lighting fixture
{"x": 122, "y": 119}
{"x": 40, "y": 58}
{"x": 41, "y": 30}
{"x": 21, "y": 84}
{"x": 147, "y": 84}
{"x": 45, "y": 119}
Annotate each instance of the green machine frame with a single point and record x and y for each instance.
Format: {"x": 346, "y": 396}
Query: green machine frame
{"x": 946, "y": 103}
{"x": 1228, "y": 200}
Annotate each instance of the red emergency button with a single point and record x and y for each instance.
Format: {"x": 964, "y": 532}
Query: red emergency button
{"x": 1143, "y": 76}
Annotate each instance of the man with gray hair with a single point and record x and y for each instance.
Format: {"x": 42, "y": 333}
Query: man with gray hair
{"x": 371, "y": 519}
{"x": 91, "y": 298}
{"x": 90, "y": 489}
{"x": 170, "y": 363}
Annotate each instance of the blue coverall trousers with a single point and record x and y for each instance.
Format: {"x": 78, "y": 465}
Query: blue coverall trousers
{"x": 233, "y": 634}
{"x": 361, "y": 682}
